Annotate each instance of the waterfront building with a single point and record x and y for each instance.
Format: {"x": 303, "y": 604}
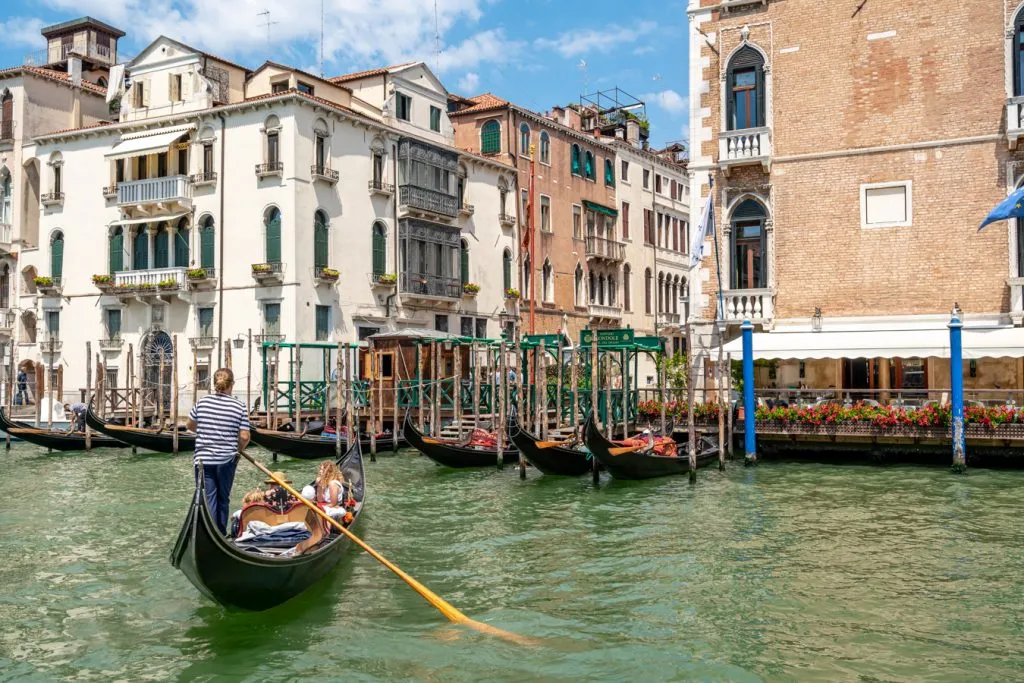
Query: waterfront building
{"x": 852, "y": 167}
{"x": 223, "y": 200}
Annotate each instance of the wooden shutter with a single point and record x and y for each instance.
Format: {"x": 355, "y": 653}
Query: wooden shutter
{"x": 379, "y": 250}
{"x": 140, "y": 250}
{"x": 117, "y": 251}
{"x": 172, "y": 87}
{"x": 464, "y": 263}
{"x": 206, "y": 248}
{"x": 274, "y": 238}
{"x": 181, "y": 248}
{"x": 162, "y": 249}
{"x": 57, "y": 257}
{"x": 506, "y": 266}
{"x": 319, "y": 242}
{"x": 145, "y": 93}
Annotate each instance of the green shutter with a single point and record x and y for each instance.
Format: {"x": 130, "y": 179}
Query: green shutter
{"x": 464, "y": 263}
{"x": 161, "y": 251}
{"x": 379, "y": 250}
{"x": 322, "y": 322}
{"x": 181, "y": 248}
{"x": 206, "y": 241}
{"x": 117, "y": 251}
{"x": 609, "y": 173}
{"x": 319, "y": 241}
{"x": 490, "y": 138}
{"x": 57, "y": 257}
{"x": 507, "y": 270}
{"x": 140, "y": 250}
{"x": 274, "y": 237}
{"x": 575, "y": 160}
{"x": 589, "y": 168}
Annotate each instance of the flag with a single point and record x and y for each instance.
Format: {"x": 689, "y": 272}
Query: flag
{"x": 1011, "y": 207}
{"x": 704, "y": 228}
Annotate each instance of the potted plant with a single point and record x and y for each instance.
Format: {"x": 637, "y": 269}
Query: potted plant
{"x": 43, "y": 281}
{"x": 511, "y": 293}
{"x": 470, "y": 288}
{"x": 387, "y": 279}
{"x": 169, "y": 283}
{"x": 329, "y": 274}
{"x": 260, "y": 268}
{"x": 196, "y": 273}
{"x": 146, "y": 286}
{"x": 103, "y": 281}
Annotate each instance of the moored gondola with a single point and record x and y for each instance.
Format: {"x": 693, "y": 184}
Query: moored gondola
{"x": 150, "y": 439}
{"x": 637, "y": 465}
{"x": 234, "y": 577}
{"x": 306, "y": 447}
{"x": 553, "y": 460}
{"x": 454, "y": 455}
{"x": 55, "y": 440}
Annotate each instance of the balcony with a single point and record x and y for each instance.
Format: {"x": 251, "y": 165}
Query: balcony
{"x": 268, "y": 338}
{"x": 114, "y": 343}
{"x": 6, "y": 236}
{"x": 745, "y": 147}
{"x": 666, "y": 319}
{"x": 272, "y": 168}
{"x": 603, "y": 312}
{"x": 605, "y": 249}
{"x": 420, "y": 200}
{"x": 50, "y": 345}
{"x": 379, "y": 187}
{"x": 322, "y": 275}
{"x": 48, "y": 286}
{"x": 466, "y": 209}
{"x": 110, "y": 191}
{"x": 755, "y": 305}
{"x": 323, "y": 174}
{"x": 203, "y": 179}
{"x": 150, "y": 282}
{"x": 155, "y": 194}
{"x": 6, "y": 131}
{"x": 271, "y": 273}
{"x": 201, "y": 278}
{"x": 52, "y": 199}
{"x": 1014, "y": 120}
{"x": 203, "y": 343}
{"x": 7, "y": 322}
{"x": 430, "y": 286}
{"x": 507, "y": 220}
{"x": 382, "y": 280}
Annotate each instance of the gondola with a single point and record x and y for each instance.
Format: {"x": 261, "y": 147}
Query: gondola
{"x": 55, "y": 440}
{"x": 454, "y": 455}
{"x": 234, "y": 577}
{"x": 555, "y": 460}
{"x": 306, "y": 447}
{"x": 150, "y": 439}
{"x": 636, "y": 465}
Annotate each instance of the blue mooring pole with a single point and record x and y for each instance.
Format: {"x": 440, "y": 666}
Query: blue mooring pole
{"x": 956, "y": 383}
{"x": 749, "y": 437}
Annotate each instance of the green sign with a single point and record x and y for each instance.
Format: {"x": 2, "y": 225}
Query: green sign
{"x": 617, "y": 337}
{"x": 532, "y": 340}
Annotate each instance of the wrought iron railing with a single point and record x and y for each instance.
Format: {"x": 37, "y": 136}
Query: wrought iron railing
{"x": 270, "y": 168}
{"x": 377, "y": 185}
{"x": 204, "y": 178}
{"x": 323, "y": 172}
{"x": 428, "y": 200}
{"x": 600, "y": 247}
{"x": 52, "y": 198}
{"x": 431, "y": 285}
{"x": 270, "y": 270}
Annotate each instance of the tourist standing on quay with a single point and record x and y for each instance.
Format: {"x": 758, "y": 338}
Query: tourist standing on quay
{"x": 222, "y": 432}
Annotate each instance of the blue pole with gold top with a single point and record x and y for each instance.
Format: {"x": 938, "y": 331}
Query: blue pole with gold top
{"x": 749, "y": 437}
{"x": 956, "y": 383}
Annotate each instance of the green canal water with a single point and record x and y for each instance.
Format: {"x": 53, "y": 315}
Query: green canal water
{"x": 782, "y": 572}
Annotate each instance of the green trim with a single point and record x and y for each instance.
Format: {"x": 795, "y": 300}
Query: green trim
{"x": 601, "y": 208}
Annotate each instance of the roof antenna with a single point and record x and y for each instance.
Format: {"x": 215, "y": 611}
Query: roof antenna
{"x": 437, "y": 41}
{"x": 266, "y": 13}
{"x": 321, "y": 38}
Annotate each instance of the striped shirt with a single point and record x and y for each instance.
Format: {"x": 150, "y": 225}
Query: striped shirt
{"x": 219, "y": 419}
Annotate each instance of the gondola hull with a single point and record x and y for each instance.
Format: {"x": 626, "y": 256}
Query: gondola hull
{"x": 311, "y": 447}
{"x": 58, "y": 441}
{"x": 555, "y": 460}
{"x": 635, "y": 465}
{"x": 233, "y": 577}
{"x": 151, "y": 440}
{"x": 449, "y": 455}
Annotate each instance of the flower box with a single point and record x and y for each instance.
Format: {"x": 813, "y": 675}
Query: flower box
{"x": 327, "y": 275}
{"x": 385, "y": 280}
{"x": 43, "y": 281}
{"x": 196, "y": 274}
{"x": 261, "y": 268}
{"x": 168, "y": 284}
{"x": 470, "y": 289}
{"x": 511, "y": 293}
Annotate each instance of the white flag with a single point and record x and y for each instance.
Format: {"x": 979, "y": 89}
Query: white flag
{"x": 704, "y": 228}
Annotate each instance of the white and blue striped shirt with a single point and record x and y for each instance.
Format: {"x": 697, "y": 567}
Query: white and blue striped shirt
{"x": 219, "y": 419}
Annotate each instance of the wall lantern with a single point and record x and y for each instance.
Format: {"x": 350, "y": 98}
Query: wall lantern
{"x": 239, "y": 342}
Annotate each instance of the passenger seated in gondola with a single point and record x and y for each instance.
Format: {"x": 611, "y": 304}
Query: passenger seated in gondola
{"x": 330, "y": 431}
{"x": 277, "y": 497}
{"x": 254, "y": 496}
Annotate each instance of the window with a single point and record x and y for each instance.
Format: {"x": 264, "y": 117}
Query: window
{"x": 648, "y": 283}
{"x": 53, "y": 324}
{"x": 463, "y": 262}
{"x": 527, "y": 279}
{"x": 506, "y": 269}
{"x": 207, "y": 158}
{"x": 657, "y": 183}
{"x": 502, "y": 201}
{"x": 58, "y": 181}
{"x": 386, "y": 369}
{"x": 57, "y": 256}
{"x": 380, "y": 245}
{"x": 403, "y": 107}
{"x": 684, "y": 236}
{"x": 272, "y": 318}
{"x": 577, "y": 222}
{"x": 139, "y": 95}
{"x": 161, "y": 165}
{"x": 320, "y": 151}
{"x": 577, "y": 161}
{"x": 204, "y": 318}
{"x": 648, "y": 226}
{"x": 545, "y": 213}
{"x": 524, "y": 208}
{"x": 323, "y": 322}
{"x": 745, "y": 105}
{"x": 624, "y": 172}
{"x": 1018, "y": 55}
{"x": 885, "y": 205}
{"x": 524, "y": 140}
{"x": 183, "y": 160}
{"x": 378, "y": 169}
{"x": 305, "y": 88}
{"x": 110, "y": 377}
{"x": 609, "y": 173}
{"x": 481, "y": 328}
{"x": 140, "y": 249}
{"x": 466, "y": 326}
{"x": 365, "y": 333}
{"x": 624, "y": 212}
{"x": 647, "y": 179}
{"x": 593, "y": 287}
{"x": 112, "y": 322}
{"x": 547, "y": 282}
{"x": 175, "y": 93}
{"x": 441, "y": 323}
{"x": 748, "y": 246}
{"x": 206, "y": 243}
{"x": 580, "y": 296}
{"x": 279, "y": 87}
{"x": 119, "y": 171}
{"x": 181, "y": 244}
{"x": 588, "y": 166}
{"x": 490, "y": 137}
{"x": 161, "y": 247}
{"x": 141, "y": 168}
{"x": 272, "y": 241}
{"x": 545, "y": 148}
{"x": 435, "y": 119}
{"x": 627, "y": 299}
{"x": 320, "y": 241}
{"x": 273, "y": 151}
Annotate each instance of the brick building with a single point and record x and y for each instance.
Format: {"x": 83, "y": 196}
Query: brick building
{"x": 855, "y": 149}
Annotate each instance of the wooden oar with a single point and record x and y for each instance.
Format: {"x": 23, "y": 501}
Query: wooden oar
{"x": 444, "y": 607}
{"x": 554, "y": 444}
{"x": 623, "y": 450}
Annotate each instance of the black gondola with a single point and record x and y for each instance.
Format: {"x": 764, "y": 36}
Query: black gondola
{"x": 311, "y": 447}
{"x": 234, "y": 577}
{"x": 554, "y": 460}
{"x": 454, "y": 455}
{"x": 636, "y": 465}
{"x": 150, "y": 439}
{"x": 56, "y": 440}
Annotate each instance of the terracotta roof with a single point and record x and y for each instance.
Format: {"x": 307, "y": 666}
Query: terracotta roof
{"x": 484, "y": 102}
{"x": 356, "y": 75}
{"x": 298, "y": 71}
{"x": 100, "y": 124}
{"x": 50, "y": 74}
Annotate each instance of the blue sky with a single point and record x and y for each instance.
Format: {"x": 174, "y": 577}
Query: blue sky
{"x": 536, "y": 53}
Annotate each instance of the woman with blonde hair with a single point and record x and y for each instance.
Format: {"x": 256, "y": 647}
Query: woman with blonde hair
{"x": 330, "y": 485}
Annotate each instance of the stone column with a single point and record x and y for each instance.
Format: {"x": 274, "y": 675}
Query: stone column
{"x": 151, "y": 237}
{"x": 883, "y": 380}
{"x": 172, "y": 233}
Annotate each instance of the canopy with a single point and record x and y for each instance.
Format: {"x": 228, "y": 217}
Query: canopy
{"x": 600, "y": 208}
{"x": 137, "y": 144}
{"x": 994, "y": 342}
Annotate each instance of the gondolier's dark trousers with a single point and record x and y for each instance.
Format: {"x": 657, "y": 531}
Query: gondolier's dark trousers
{"x": 217, "y": 481}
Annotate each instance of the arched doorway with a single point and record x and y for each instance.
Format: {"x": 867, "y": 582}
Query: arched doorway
{"x": 155, "y": 342}
{"x": 25, "y": 389}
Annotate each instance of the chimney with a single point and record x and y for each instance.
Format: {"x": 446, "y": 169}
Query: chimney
{"x": 557, "y": 114}
{"x": 633, "y": 132}
{"x": 572, "y": 119}
{"x": 75, "y": 70}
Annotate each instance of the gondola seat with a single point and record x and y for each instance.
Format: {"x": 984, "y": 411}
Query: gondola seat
{"x": 261, "y": 512}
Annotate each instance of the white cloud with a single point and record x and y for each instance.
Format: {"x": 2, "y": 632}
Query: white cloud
{"x": 487, "y": 46}
{"x": 583, "y": 41}
{"x": 23, "y": 31}
{"x": 469, "y": 83}
{"x": 669, "y": 100}
{"x": 643, "y": 50}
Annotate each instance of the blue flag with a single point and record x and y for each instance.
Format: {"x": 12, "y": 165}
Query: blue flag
{"x": 1011, "y": 207}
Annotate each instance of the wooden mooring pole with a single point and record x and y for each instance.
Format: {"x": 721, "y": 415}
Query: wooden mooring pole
{"x": 595, "y": 468}
{"x": 337, "y": 407}
{"x": 88, "y": 392}
{"x": 722, "y": 401}
{"x": 174, "y": 394}
{"x": 371, "y": 373}
{"x": 691, "y": 396}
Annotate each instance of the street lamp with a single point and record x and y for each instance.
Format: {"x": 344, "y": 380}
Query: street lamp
{"x": 239, "y": 342}
{"x": 816, "y": 320}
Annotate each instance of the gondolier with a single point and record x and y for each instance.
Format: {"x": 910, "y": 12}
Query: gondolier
{"x": 222, "y": 430}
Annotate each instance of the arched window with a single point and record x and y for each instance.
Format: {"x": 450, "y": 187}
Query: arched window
{"x": 745, "y": 105}
{"x": 463, "y": 262}
{"x": 576, "y": 160}
{"x": 547, "y": 277}
{"x": 161, "y": 247}
{"x": 490, "y": 137}
{"x": 588, "y": 166}
{"x": 5, "y": 286}
{"x": 181, "y": 244}
{"x": 545, "y": 148}
{"x": 380, "y": 249}
{"x": 648, "y": 283}
{"x": 1018, "y": 54}
{"x": 524, "y": 139}
{"x": 116, "y": 250}
{"x": 506, "y": 269}
{"x": 207, "y": 240}
{"x": 578, "y": 282}
{"x": 626, "y": 299}
{"x": 526, "y": 276}
{"x": 319, "y": 241}
{"x": 140, "y": 249}
{"x": 593, "y": 288}
{"x": 609, "y": 173}
{"x": 6, "y": 187}
{"x": 7, "y": 114}
{"x": 675, "y": 294}
{"x": 748, "y": 246}
{"x": 57, "y": 256}
{"x": 272, "y": 223}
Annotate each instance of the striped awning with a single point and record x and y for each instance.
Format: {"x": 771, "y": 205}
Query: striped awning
{"x": 600, "y": 208}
